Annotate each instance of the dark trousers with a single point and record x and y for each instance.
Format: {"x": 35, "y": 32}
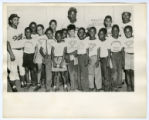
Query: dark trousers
{"x": 83, "y": 83}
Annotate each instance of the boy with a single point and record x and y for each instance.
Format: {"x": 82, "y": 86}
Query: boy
{"x": 71, "y": 59}
{"x": 58, "y": 61}
{"x": 117, "y": 57}
{"x": 129, "y": 58}
{"x": 15, "y": 56}
{"x": 94, "y": 64}
{"x": 104, "y": 58}
{"x": 45, "y": 51}
{"x": 82, "y": 51}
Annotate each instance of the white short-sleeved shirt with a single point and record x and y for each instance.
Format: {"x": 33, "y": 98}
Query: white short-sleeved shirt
{"x": 82, "y": 46}
{"x": 40, "y": 40}
{"x": 93, "y": 46}
{"x": 47, "y": 46}
{"x": 116, "y": 45}
{"x": 129, "y": 45}
{"x": 104, "y": 47}
{"x": 59, "y": 48}
{"x": 34, "y": 35}
{"x": 13, "y": 36}
{"x": 72, "y": 44}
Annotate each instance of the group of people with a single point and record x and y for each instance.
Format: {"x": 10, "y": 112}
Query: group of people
{"x": 86, "y": 59}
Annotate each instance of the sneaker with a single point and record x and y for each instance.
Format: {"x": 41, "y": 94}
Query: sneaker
{"x": 14, "y": 89}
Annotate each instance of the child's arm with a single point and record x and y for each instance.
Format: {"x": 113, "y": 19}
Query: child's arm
{"x": 41, "y": 52}
{"x": 63, "y": 57}
{"x": 52, "y": 56}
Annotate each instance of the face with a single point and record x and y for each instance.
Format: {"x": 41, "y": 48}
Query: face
{"x": 72, "y": 16}
{"x": 108, "y": 22}
{"x": 28, "y": 33}
{"x": 58, "y": 37}
{"x": 15, "y": 21}
{"x": 49, "y": 34}
{"x": 81, "y": 33}
{"x": 101, "y": 35}
{"x": 115, "y": 32}
{"x": 53, "y": 25}
{"x": 33, "y": 28}
{"x": 128, "y": 33}
{"x": 71, "y": 33}
{"x": 92, "y": 33}
{"x": 39, "y": 30}
{"x": 125, "y": 17}
{"x": 64, "y": 35}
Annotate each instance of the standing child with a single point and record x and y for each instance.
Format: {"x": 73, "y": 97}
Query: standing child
{"x": 38, "y": 57}
{"x": 82, "y": 51}
{"x": 58, "y": 61}
{"x": 72, "y": 60}
{"x": 104, "y": 58}
{"x": 117, "y": 57}
{"x": 94, "y": 64}
{"x": 129, "y": 57}
{"x": 33, "y": 27}
{"x": 45, "y": 51}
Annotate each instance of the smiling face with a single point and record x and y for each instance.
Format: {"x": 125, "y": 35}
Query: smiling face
{"x": 128, "y": 32}
{"x": 49, "y": 34}
{"x": 126, "y": 17}
{"x": 81, "y": 34}
{"x": 33, "y": 28}
{"x": 115, "y": 32}
{"x": 72, "y": 16}
{"x": 28, "y": 33}
{"x": 101, "y": 35}
{"x": 71, "y": 33}
{"x": 15, "y": 21}
{"x": 108, "y": 22}
{"x": 40, "y": 30}
{"x": 53, "y": 26}
{"x": 58, "y": 36}
{"x": 92, "y": 33}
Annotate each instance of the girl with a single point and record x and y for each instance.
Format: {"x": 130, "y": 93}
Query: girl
{"x": 108, "y": 24}
{"x": 58, "y": 62}
{"x": 38, "y": 57}
{"x": 33, "y": 27}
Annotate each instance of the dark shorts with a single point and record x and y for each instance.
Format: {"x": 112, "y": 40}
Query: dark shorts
{"x": 28, "y": 60}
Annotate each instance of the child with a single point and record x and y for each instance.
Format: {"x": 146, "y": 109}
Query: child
{"x": 129, "y": 58}
{"x": 82, "y": 51}
{"x": 29, "y": 50}
{"x": 53, "y": 25}
{"x": 117, "y": 57}
{"x": 45, "y": 51}
{"x": 38, "y": 57}
{"x": 71, "y": 59}
{"x": 33, "y": 27}
{"x": 94, "y": 64}
{"x": 104, "y": 58}
{"x": 58, "y": 61}
{"x": 108, "y": 24}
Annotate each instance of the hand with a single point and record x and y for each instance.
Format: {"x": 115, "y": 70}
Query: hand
{"x": 61, "y": 65}
{"x": 20, "y": 37}
{"x": 97, "y": 63}
{"x": 12, "y": 57}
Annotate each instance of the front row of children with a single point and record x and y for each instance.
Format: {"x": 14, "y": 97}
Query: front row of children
{"x": 85, "y": 62}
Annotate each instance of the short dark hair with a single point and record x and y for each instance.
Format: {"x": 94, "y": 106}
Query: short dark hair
{"x": 49, "y": 29}
{"x": 107, "y": 17}
{"x": 128, "y": 27}
{"x": 126, "y": 12}
{"x": 71, "y": 27}
{"x": 72, "y": 9}
{"x": 115, "y": 26}
{"x": 53, "y": 21}
{"x": 93, "y": 29}
{"x": 27, "y": 28}
{"x": 32, "y": 23}
{"x": 11, "y": 17}
{"x": 104, "y": 30}
{"x": 40, "y": 25}
{"x": 81, "y": 28}
{"x": 58, "y": 31}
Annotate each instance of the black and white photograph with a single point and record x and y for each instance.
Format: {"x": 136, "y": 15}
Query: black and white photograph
{"x": 70, "y": 49}
{"x": 74, "y": 60}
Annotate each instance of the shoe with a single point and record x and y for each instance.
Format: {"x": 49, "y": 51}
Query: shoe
{"x": 22, "y": 84}
{"x": 14, "y": 89}
{"x": 37, "y": 87}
